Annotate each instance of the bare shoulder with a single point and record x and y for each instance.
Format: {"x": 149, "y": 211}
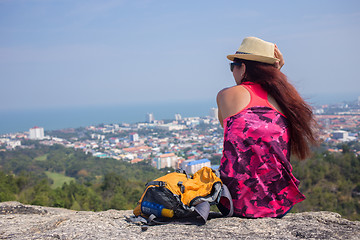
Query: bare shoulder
{"x": 231, "y": 100}
{"x": 231, "y": 92}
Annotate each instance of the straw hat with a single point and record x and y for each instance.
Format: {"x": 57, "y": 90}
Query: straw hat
{"x": 255, "y": 49}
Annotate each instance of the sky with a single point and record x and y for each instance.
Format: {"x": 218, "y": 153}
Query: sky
{"x": 65, "y": 53}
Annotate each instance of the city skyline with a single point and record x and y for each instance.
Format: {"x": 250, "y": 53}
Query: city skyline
{"x": 168, "y": 116}
{"x": 53, "y": 119}
{"x": 62, "y": 54}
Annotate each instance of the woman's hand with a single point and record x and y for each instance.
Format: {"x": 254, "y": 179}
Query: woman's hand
{"x": 278, "y": 55}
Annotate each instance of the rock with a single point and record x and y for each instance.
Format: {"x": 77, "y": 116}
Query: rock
{"x": 18, "y": 221}
{"x": 15, "y": 207}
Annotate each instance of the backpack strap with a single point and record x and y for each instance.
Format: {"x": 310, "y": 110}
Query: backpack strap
{"x": 180, "y": 170}
{"x": 203, "y": 209}
{"x": 225, "y": 193}
{"x": 158, "y": 183}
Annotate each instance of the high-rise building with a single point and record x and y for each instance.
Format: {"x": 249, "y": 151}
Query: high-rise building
{"x": 177, "y": 117}
{"x": 36, "y": 133}
{"x": 214, "y": 113}
{"x": 359, "y": 100}
{"x": 134, "y": 137}
{"x": 150, "y": 117}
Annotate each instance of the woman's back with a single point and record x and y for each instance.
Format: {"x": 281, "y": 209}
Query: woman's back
{"x": 238, "y": 98}
{"x": 264, "y": 119}
{"x": 255, "y": 164}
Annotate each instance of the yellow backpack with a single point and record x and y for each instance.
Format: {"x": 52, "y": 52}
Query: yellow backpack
{"x": 177, "y": 195}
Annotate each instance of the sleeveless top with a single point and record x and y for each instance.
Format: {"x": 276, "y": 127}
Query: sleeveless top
{"x": 256, "y": 160}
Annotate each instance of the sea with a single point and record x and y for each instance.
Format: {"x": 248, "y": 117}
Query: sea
{"x": 13, "y": 121}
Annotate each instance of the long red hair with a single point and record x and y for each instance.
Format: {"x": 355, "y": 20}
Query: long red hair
{"x": 297, "y": 111}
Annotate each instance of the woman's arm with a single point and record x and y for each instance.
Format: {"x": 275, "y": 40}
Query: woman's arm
{"x": 278, "y": 55}
{"x": 221, "y": 120}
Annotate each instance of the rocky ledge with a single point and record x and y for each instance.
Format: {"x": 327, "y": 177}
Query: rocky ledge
{"x": 18, "y": 221}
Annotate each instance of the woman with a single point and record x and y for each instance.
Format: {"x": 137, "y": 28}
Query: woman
{"x": 264, "y": 119}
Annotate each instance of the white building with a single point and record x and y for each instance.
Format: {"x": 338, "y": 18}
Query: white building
{"x": 177, "y": 117}
{"x": 192, "y": 121}
{"x": 166, "y": 160}
{"x": 36, "y": 133}
{"x": 134, "y": 137}
{"x": 341, "y": 135}
{"x": 11, "y": 144}
{"x": 319, "y": 111}
{"x": 150, "y": 117}
{"x": 214, "y": 113}
{"x": 192, "y": 166}
{"x": 171, "y": 127}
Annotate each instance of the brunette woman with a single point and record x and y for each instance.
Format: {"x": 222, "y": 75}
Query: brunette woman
{"x": 264, "y": 119}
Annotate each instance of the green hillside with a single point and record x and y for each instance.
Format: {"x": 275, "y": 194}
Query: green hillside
{"x": 63, "y": 177}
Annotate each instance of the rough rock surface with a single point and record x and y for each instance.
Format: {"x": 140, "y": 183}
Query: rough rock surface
{"x": 18, "y": 221}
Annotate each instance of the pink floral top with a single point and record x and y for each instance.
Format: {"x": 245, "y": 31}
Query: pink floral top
{"x": 256, "y": 160}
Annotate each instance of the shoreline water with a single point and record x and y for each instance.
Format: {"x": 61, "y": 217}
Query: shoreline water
{"x": 61, "y": 118}
{"x": 13, "y": 121}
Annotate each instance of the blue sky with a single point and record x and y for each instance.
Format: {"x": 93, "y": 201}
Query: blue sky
{"x": 66, "y": 53}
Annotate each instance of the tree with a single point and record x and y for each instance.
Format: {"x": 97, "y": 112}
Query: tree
{"x": 8, "y": 187}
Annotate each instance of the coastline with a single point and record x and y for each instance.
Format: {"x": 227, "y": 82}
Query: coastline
{"x": 20, "y": 120}
{"x": 13, "y": 121}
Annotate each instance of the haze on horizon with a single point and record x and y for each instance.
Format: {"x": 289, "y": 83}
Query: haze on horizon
{"x": 93, "y": 53}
